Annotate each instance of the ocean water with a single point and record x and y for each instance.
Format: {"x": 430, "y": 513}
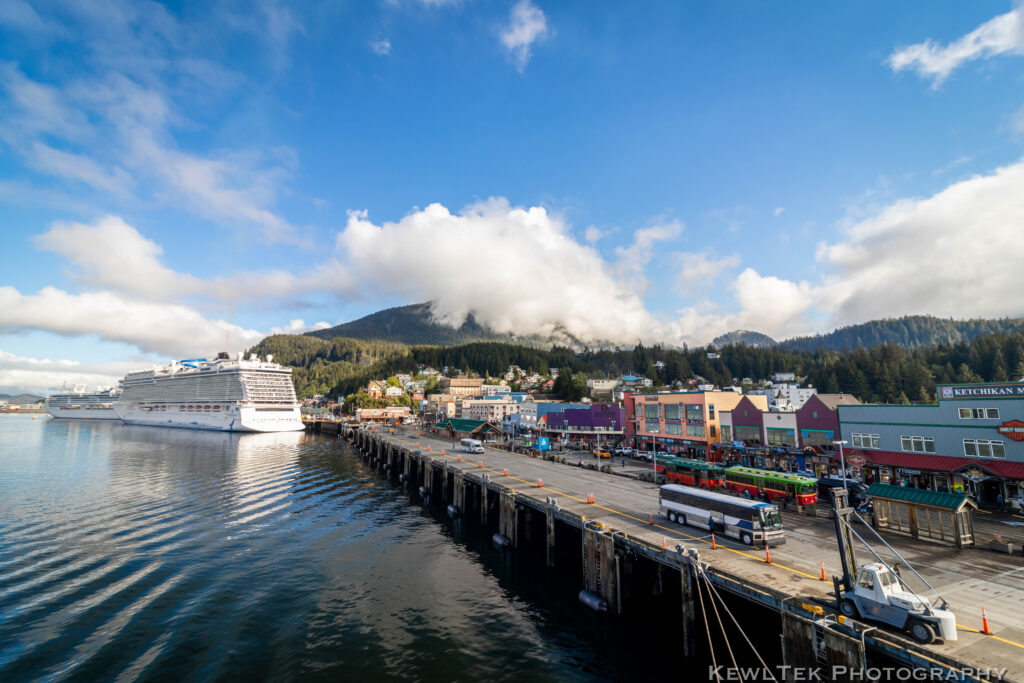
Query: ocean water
{"x": 131, "y": 553}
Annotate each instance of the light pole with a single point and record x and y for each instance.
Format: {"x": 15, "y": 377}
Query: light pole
{"x": 842, "y": 460}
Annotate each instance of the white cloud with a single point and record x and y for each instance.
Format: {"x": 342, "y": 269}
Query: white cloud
{"x": 170, "y": 329}
{"x": 1017, "y": 122}
{"x": 42, "y": 376}
{"x": 23, "y": 17}
{"x": 561, "y": 285}
{"x": 381, "y": 46}
{"x": 46, "y": 159}
{"x": 593, "y": 234}
{"x": 299, "y": 326}
{"x": 633, "y": 259}
{"x": 1003, "y": 34}
{"x": 778, "y": 210}
{"x": 527, "y": 24}
{"x": 698, "y": 270}
{"x": 953, "y": 254}
{"x": 113, "y": 255}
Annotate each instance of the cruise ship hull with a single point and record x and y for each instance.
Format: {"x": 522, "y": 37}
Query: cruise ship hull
{"x": 231, "y": 419}
{"x": 91, "y": 413}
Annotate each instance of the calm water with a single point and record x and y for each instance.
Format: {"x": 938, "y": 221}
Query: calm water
{"x": 153, "y": 553}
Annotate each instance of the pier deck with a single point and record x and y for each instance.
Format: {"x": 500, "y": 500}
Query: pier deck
{"x": 969, "y": 579}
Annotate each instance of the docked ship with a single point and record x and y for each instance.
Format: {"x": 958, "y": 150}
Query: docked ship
{"x": 228, "y": 394}
{"x": 79, "y": 404}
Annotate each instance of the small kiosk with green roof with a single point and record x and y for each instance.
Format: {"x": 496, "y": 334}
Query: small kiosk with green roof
{"x": 928, "y": 515}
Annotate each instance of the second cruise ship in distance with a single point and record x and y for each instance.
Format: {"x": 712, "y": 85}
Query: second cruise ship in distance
{"x": 228, "y": 394}
{"x": 79, "y": 404}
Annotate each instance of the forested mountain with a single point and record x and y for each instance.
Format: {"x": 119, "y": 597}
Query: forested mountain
{"x": 747, "y": 337}
{"x": 20, "y": 398}
{"x": 886, "y": 373}
{"x": 410, "y": 325}
{"x": 414, "y": 325}
{"x": 910, "y": 331}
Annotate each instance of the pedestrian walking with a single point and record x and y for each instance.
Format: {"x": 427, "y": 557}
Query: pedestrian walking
{"x": 1000, "y": 503}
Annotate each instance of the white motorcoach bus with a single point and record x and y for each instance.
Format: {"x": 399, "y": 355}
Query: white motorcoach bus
{"x": 751, "y": 521}
{"x": 471, "y": 446}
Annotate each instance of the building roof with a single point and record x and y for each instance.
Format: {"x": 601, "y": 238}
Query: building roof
{"x": 468, "y": 426}
{"x": 835, "y": 400}
{"x": 939, "y": 463}
{"x": 934, "y": 499}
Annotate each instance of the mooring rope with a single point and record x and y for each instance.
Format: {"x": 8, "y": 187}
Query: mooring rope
{"x": 707, "y": 630}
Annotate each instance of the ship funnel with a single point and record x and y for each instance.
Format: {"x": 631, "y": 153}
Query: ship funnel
{"x": 270, "y": 358}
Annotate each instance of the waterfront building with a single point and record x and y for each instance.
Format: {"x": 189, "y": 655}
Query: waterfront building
{"x": 791, "y": 441}
{"x": 437, "y": 407}
{"x": 601, "y": 386}
{"x": 488, "y": 410}
{"x": 531, "y": 411}
{"x": 602, "y": 421}
{"x": 495, "y": 389}
{"x": 460, "y": 386}
{"x": 970, "y": 441}
{"x": 383, "y": 415}
{"x": 683, "y": 422}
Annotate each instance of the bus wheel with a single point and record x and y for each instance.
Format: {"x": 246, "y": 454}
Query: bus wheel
{"x": 746, "y": 539}
{"x": 682, "y": 520}
{"x": 672, "y": 517}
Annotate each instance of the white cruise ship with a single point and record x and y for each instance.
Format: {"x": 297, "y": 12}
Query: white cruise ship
{"x": 79, "y": 404}
{"x": 236, "y": 395}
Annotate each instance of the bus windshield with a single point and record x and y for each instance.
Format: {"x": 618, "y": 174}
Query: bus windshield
{"x": 770, "y": 518}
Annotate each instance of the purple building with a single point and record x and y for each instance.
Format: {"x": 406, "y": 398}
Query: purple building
{"x": 605, "y": 420}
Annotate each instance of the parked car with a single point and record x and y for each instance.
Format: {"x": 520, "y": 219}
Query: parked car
{"x": 645, "y": 455}
{"x": 623, "y": 451}
{"x": 858, "y": 491}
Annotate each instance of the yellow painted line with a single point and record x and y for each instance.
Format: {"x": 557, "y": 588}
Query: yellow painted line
{"x": 1002, "y": 640}
{"x": 613, "y": 511}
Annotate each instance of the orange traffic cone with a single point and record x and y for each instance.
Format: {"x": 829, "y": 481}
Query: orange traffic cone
{"x": 984, "y": 623}
{"x": 442, "y": 451}
{"x": 505, "y": 471}
{"x": 480, "y": 463}
{"x": 822, "y": 571}
{"x": 459, "y": 458}
{"x": 767, "y": 556}
{"x": 713, "y": 546}
{"x": 664, "y": 542}
{"x": 652, "y": 519}
{"x": 428, "y": 448}
{"x": 540, "y": 483}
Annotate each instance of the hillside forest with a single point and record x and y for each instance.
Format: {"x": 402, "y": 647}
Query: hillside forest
{"x": 885, "y": 373}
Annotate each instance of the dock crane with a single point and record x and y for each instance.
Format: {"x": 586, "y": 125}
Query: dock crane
{"x": 877, "y": 592}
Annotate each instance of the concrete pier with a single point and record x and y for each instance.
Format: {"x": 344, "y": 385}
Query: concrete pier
{"x": 622, "y": 554}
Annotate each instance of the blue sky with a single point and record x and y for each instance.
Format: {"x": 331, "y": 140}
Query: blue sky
{"x": 177, "y": 179}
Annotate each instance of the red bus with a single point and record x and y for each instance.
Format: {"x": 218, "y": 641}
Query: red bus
{"x": 691, "y": 472}
{"x": 772, "y": 485}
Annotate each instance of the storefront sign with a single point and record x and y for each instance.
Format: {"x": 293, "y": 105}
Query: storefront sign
{"x": 908, "y": 472}
{"x": 983, "y": 391}
{"x": 856, "y": 461}
{"x": 1013, "y": 429}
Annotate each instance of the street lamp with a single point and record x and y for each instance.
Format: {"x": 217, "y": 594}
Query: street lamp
{"x": 842, "y": 460}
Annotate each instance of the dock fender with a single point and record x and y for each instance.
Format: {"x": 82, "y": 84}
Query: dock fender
{"x": 593, "y": 601}
{"x": 500, "y": 541}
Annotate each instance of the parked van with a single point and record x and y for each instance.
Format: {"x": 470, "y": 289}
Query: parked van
{"x": 858, "y": 491}
{"x": 471, "y": 445}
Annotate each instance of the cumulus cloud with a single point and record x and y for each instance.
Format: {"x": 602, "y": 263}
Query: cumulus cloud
{"x": 381, "y": 46}
{"x": 954, "y": 254}
{"x": 1003, "y": 34}
{"x": 111, "y": 254}
{"x": 699, "y": 269}
{"x": 633, "y": 259}
{"x": 170, "y": 329}
{"x": 527, "y": 24}
{"x": 562, "y": 285}
{"x": 779, "y": 210}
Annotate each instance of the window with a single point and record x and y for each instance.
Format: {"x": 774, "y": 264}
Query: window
{"x": 817, "y": 437}
{"x": 713, "y": 431}
{"x": 866, "y": 441}
{"x": 917, "y": 444}
{"x": 673, "y": 428}
{"x": 814, "y": 414}
{"x": 747, "y": 433}
{"x": 984, "y": 448}
{"x": 652, "y": 411}
{"x": 781, "y": 437}
{"x": 711, "y": 415}
{"x": 867, "y": 580}
{"x": 652, "y": 427}
{"x": 695, "y": 430}
{"x": 672, "y": 412}
{"x": 979, "y": 413}
{"x": 726, "y": 433}
{"x": 695, "y": 414}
